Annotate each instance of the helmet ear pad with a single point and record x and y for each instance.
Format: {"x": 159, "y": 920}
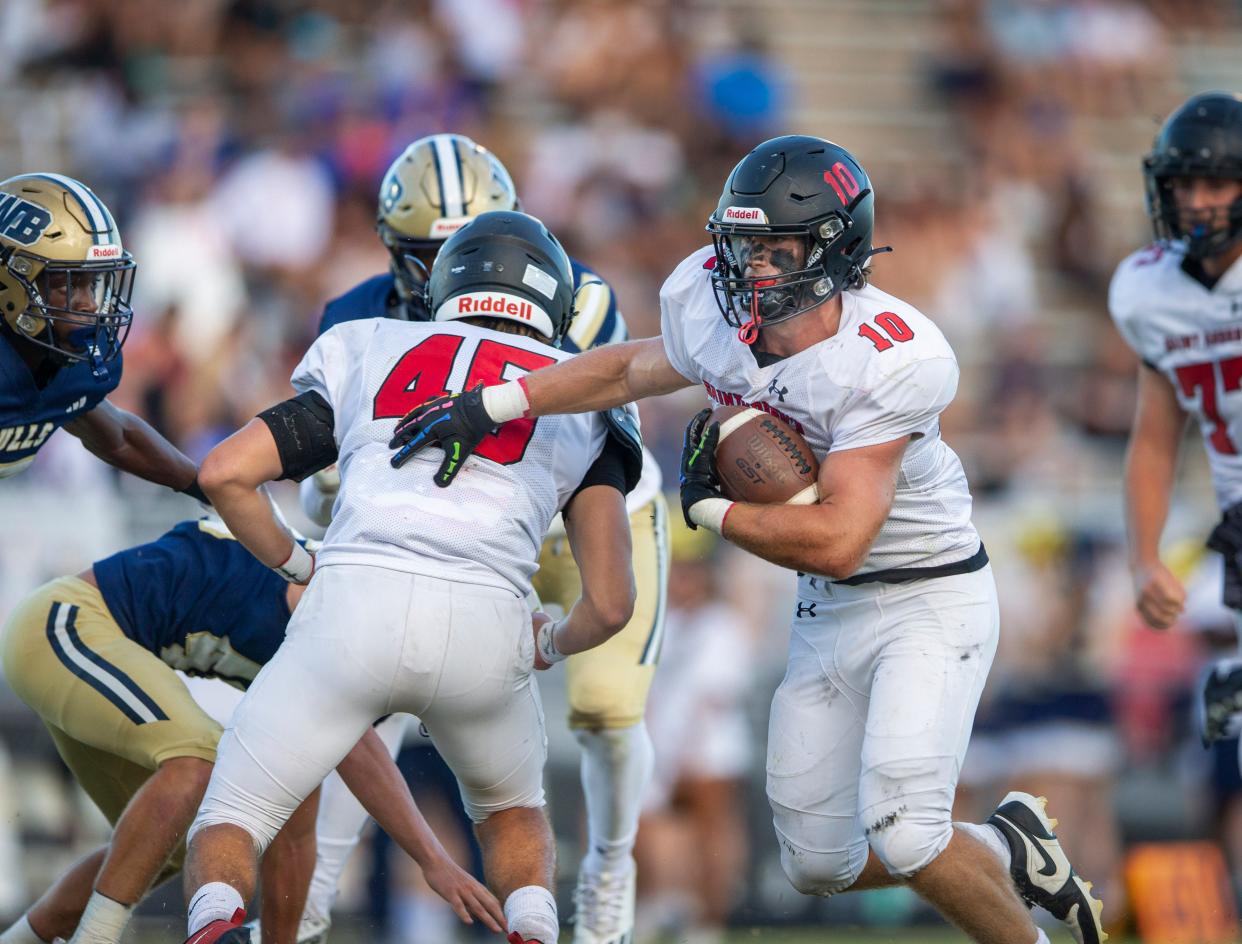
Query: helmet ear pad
{"x": 505, "y": 265}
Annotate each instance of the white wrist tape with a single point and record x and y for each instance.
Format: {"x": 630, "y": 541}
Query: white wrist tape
{"x": 505, "y": 402}
{"x": 299, "y": 567}
{"x": 545, "y": 639}
{"x": 710, "y": 513}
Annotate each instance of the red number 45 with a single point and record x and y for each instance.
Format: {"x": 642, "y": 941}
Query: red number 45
{"x": 422, "y": 373}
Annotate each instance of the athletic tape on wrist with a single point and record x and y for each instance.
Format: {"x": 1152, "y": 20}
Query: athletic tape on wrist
{"x": 299, "y": 567}
{"x": 546, "y": 641}
{"x": 505, "y": 402}
{"x": 710, "y": 513}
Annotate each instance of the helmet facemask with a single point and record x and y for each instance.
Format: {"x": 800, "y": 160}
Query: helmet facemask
{"x": 1205, "y": 233}
{"x": 800, "y": 281}
{"x": 79, "y": 310}
{"x": 410, "y": 264}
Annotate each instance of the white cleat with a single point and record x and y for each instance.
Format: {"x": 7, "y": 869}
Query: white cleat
{"x": 604, "y": 906}
{"x": 1040, "y": 870}
{"x": 311, "y": 930}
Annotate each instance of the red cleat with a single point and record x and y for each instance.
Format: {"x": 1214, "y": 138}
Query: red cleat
{"x": 220, "y": 931}
{"x": 515, "y": 938}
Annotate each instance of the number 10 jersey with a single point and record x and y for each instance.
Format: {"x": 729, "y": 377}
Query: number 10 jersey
{"x": 1193, "y": 336}
{"x": 488, "y": 526}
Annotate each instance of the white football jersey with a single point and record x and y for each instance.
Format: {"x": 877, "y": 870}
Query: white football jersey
{"x": 487, "y": 526}
{"x": 1192, "y": 335}
{"x": 887, "y": 373}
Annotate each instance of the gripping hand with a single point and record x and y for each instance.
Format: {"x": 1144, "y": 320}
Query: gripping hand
{"x": 699, "y": 481}
{"x": 456, "y": 423}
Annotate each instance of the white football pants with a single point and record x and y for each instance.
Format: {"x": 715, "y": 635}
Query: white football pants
{"x": 870, "y": 725}
{"x": 365, "y": 642}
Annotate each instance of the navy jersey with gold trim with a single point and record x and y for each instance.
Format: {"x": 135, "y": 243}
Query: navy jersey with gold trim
{"x": 198, "y": 600}
{"x": 32, "y": 408}
{"x": 597, "y": 320}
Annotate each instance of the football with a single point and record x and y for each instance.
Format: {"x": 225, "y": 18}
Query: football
{"x": 761, "y": 459}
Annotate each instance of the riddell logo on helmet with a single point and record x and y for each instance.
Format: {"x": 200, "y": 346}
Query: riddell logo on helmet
{"x": 446, "y": 226}
{"x": 744, "y": 215}
{"x": 480, "y": 303}
{"x": 104, "y": 252}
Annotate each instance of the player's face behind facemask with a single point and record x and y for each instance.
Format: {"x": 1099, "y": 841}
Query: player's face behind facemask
{"x": 65, "y": 279}
{"x": 434, "y": 188}
{"x": 1193, "y": 176}
{"x": 504, "y": 270}
{"x": 792, "y": 230}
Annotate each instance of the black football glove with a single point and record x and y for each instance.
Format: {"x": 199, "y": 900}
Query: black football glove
{"x": 698, "y": 464}
{"x": 457, "y": 423}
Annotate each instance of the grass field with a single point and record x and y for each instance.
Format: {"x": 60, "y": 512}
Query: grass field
{"x": 154, "y": 932}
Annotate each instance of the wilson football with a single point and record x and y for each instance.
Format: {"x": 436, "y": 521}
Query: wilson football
{"x": 762, "y": 459}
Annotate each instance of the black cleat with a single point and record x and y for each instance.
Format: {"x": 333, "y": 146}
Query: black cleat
{"x": 1040, "y": 870}
{"x": 1219, "y": 705}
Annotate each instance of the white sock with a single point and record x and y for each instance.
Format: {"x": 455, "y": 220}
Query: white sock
{"x": 991, "y": 837}
{"x": 531, "y": 912}
{"x": 21, "y": 933}
{"x": 215, "y": 901}
{"x": 1041, "y": 937}
{"x": 103, "y": 921}
{"x": 616, "y": 766}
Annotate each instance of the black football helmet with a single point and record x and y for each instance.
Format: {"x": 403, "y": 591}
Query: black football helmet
{"x": 504, "y": 264}
{"x": 1203, "y": 138}
{"x": 801, "y": 187}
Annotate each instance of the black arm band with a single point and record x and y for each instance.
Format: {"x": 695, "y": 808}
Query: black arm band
{"x": 608, "y": 469}
{"x": 303, "y": 430}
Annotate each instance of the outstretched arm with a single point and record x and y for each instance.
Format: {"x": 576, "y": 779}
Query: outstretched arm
{"x": 598, "y": 379}
{"x": 131, "y": 444}
{"x": 374, "y": 780}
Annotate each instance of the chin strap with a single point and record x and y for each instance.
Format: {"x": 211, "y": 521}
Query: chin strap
{"x": 749, "y": 333}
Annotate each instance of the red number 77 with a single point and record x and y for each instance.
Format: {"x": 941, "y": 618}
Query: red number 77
{"x": 1202, "y": 377}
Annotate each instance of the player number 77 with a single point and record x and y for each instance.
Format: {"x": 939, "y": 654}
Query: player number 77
{"x": 1202, "y": 377}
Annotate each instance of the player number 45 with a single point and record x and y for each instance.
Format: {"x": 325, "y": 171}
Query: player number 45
{"x": 422, "y": 373}
{"x": 896, "y": 329}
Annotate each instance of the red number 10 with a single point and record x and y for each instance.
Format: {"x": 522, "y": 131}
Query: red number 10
{"x": 893, "y": 326}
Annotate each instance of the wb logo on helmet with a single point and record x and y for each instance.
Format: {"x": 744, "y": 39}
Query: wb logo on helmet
{"x": 22, "y": 221}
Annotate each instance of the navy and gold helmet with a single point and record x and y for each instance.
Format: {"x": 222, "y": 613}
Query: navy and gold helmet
{"x": 1203, "y": 138}
{"x": 438, "y": 185}
{"x": 801, "y": 187}
{"x": 65, "y": 277}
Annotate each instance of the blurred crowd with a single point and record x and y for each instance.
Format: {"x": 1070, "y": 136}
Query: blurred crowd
{"x": 240, "y": 144}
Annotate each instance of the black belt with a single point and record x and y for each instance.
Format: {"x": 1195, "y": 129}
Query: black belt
{"x": 976, "y": 561}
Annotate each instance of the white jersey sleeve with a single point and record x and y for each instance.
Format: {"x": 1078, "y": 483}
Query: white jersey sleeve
{"x": 326, "y": 367}
{"x": 1133, "y": 289}
{"x": 907, "y": 402}
{"x": 678, "y": 291}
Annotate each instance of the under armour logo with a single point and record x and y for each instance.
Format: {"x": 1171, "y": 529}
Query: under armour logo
{"x": 778, "y": 392}
{"x": 805, "y": 609}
